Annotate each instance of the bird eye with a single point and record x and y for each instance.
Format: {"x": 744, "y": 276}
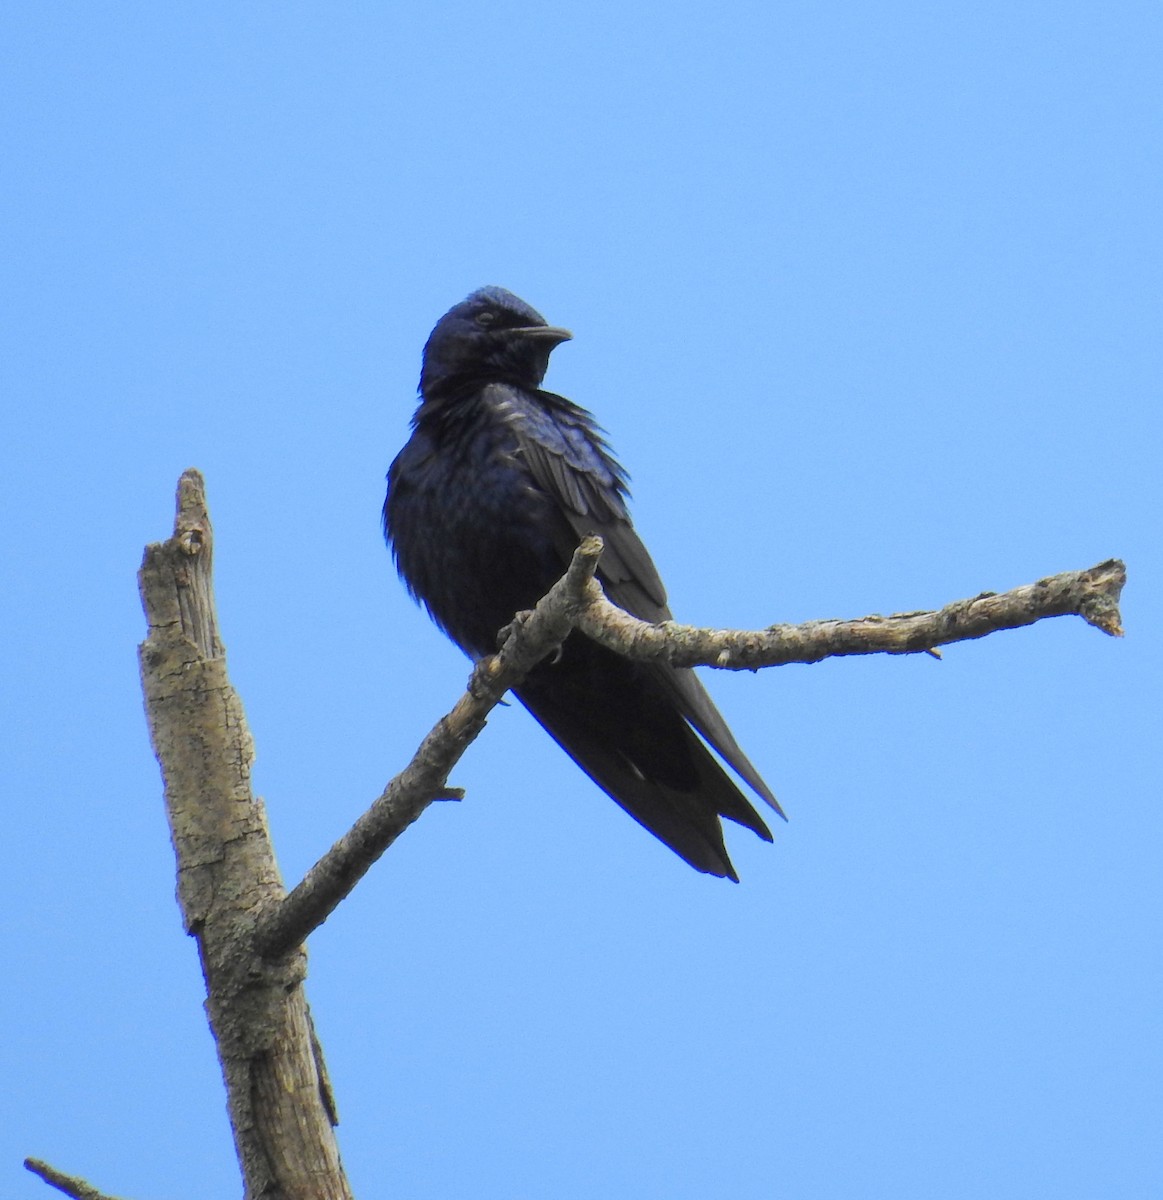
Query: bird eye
{"x": 486, "y": 318}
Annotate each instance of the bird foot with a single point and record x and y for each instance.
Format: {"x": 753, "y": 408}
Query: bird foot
{"x": 513, "y": 626}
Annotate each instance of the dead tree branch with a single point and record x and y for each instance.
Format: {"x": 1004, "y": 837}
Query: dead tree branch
{"x": 577, "y": 601}
{"x": 529, "y": 639}
{"x": 1092, "y": 594}
{"x": 71, "y": 1185}
{"x": 250, "y": 932}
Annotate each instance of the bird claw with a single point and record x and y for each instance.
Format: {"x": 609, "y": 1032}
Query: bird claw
{"x": 513, "y": 626}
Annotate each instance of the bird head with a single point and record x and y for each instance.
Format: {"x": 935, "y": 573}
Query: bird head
{"x": 490, "y": 337}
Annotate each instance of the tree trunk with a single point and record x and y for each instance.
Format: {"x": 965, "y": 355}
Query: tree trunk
{"x": 279, "y": 1099}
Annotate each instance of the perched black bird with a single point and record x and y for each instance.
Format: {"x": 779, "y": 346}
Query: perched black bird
{"x": 486, "y": 505}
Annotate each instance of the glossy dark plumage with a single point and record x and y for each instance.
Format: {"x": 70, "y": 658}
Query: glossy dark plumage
{"x": 486, "y": 504}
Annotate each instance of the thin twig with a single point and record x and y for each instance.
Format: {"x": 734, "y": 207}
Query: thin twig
{"x": 71, "y": 1185}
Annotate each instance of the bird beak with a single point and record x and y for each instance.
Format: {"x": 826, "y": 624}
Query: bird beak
{"x": 544, "y": 333}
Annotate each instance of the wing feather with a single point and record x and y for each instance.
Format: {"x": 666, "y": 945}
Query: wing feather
{"x": 567, "y": 456}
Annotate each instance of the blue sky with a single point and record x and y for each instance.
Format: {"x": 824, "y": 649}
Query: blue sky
{"x": 868, "y": 299}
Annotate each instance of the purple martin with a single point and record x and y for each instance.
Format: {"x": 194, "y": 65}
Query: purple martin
{"x": 486, "y": 504}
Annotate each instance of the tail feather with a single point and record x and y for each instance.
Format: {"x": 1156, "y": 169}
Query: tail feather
{"x": 700, "y": 710}
{"x": 626, "y": 726}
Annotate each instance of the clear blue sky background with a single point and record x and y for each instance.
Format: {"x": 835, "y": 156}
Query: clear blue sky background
{"x": 868, "y": 297}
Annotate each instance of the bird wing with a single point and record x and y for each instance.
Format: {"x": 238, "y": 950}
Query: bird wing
{"x": 569, "y": 459}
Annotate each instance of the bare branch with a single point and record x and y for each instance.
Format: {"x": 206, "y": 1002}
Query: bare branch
{"x": 71, "y": 1185}
{"x": 527, "y": 641}
{"x": 1092, "y": 594}
{"x": 578, "y": 600}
